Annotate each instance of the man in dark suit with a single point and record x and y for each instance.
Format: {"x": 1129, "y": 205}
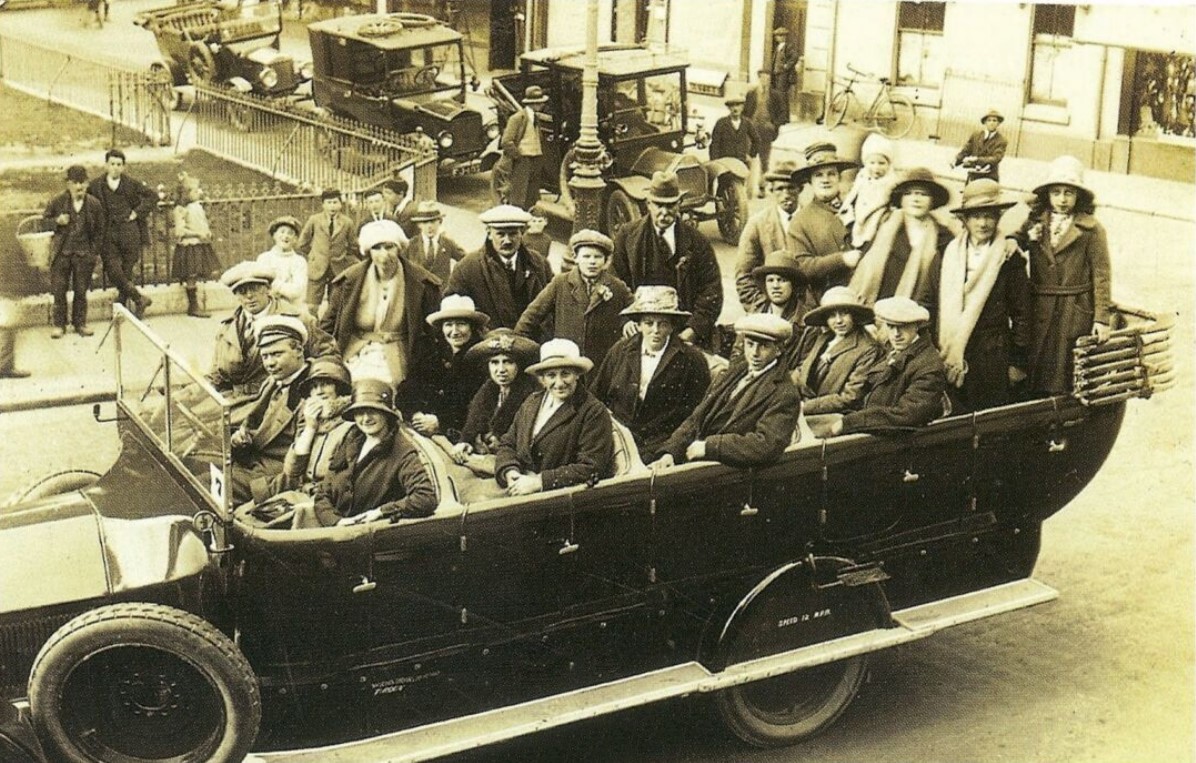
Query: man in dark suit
{"x": 766, "y": 232}
{"x": 734, "y": 135}
{"x": 78, "y": 219}
{"x": 399, "y": 206}
{"x": 504, "y": 276}
{"x": 374, "y": 209}
{"x": 661, "y": 249}
{"x": 522, "y": 153}
{"x": 749, "y": 415}
{"x": 127, "y": 205}
{"x": 649, "y": 381}
{"x": 431, "y": 247}
{"x": 782, "y": 75}
{"x": 985, "y": 149}
{"x": 903, "y": 390}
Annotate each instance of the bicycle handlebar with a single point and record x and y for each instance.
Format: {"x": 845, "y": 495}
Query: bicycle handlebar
{"x": 854, "y": 70}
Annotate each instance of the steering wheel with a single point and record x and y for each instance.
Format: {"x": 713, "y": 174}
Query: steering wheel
{"x": 426, "y": 77}
{"x": 398, "y": 80}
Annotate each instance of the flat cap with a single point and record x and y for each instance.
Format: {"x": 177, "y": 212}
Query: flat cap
{"x": 278, "y": 327}
{"x": 900, "y": 310}
{"x": 764, "y": 326}
{"x": 592, "y": 238}
{"x": 245, "y": 273}
{"x": 505, "y": 216}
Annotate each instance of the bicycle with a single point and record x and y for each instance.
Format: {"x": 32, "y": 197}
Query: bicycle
{"x": 891, "y": 114}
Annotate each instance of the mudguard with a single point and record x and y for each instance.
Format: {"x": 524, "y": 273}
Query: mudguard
{"x": 635, "y": 186}
{"x": 799, "y": 604}
{"x": 716, "y": 168}
{"x": 490, "y": 155}
{"x": 654, "y": 159}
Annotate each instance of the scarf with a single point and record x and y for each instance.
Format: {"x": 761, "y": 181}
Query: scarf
{"x": 870, "y": 271}
{"x": 961, "y": 300}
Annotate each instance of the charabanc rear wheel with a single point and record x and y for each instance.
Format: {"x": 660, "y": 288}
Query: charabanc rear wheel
{"x": 732, "y": 207}
{"x": 620, "y": 211}
{"x": 789, "y": 708}
{"x": 144, "y": 683}
{"x": 201, "y": 64}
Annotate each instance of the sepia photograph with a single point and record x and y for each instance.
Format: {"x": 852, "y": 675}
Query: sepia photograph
{"x": 597, "y": 381}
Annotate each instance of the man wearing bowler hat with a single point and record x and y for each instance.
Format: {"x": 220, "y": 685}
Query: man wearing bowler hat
{"x": 734, "y": 135}
{"x": 660, "y": 249}
{"x": 522, "y": 152}
{"x": 985, "y": 149}
{"x": 750, "y": 414}
{"x": 766, "y": 232}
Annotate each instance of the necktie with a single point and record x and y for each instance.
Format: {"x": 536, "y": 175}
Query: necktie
{"x": 503, "y": 392}
{"x": 430, "y": 246}
{"x": 663, "y": 243}
{"x": 331, "y": 226}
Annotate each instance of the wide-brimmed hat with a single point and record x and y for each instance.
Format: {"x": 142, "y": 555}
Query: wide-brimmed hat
{"x": 504, "y": 341}
{"x": 764, "y": 326}
{"x": 820, "y": 155}
{"x": 664, "y": 188}
{"x": 779, "y": 262}
{"x": 328, "y": 368}
{"x": 992, "y": 113}
{"x": 982, "y": 194}
{"x": 655, "y": 300}
{"x": 534, "y": 94}
{"x": 460, "y": 307}
{"x": 380, "y": 232}
{"x": 275, "y": 327}
{"x": 245, "y": 273}
{"x": 835, "y": 299}
{"x": 587, "y": 237}
{"x": 1066, "y": 170}
{"x": 920, "y": 177}
{"x": 426, "y": 212}
{"x": 291, "y": 222}
{"x": 372, "y": 395}
{"x": 505, "y": 216}
{"x": 900, "y": 311}
{"x": 560, "y": 353}
{"x": 876, "y": 143}
{"x": 781, "y": 172}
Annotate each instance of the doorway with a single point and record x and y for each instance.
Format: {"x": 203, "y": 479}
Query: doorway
{"x": 506, "y": 26}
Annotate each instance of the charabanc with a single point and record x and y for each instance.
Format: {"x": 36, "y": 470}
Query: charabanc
{"x": 145, "y": 618}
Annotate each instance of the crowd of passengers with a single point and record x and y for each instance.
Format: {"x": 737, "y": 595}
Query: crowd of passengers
{"x": 521, "y": 376}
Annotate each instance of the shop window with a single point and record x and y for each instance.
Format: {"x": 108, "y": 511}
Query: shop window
{"x": 1054, "y": 26}
{"x": 1163, "y": 99}
{"x": 920, "y": 44}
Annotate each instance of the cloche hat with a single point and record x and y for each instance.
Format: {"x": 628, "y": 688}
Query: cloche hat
{"x": 504, "y": 341}
{"x": 372, "y": 395}
{"x": 461, "y": 307}
{"x": 1066, "y": 170}
{"x": 779, "y": 262}
{"x": 328, "y": 368}
{"x": 380, "y": 232}
{"x": 982, "y": 194}
{"x": 920, "y": 177}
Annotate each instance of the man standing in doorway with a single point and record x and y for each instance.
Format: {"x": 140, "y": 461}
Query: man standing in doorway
{"x": 127, "y": 205}
{"x": 783, "y": 75}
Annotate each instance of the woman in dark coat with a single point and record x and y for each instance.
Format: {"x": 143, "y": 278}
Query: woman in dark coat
{"x": 984, "y": 306}
{"x": 375, "y": 473}
{"x": 653, "y": 408}
{"x": 562, "y": 435}
{"x": 437, "y": 392}
{"x": 836, "y": 354}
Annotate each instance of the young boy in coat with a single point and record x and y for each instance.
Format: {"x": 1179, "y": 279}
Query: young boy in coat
{"x": 78, "y": 220}
{"x": 329, "y": 241}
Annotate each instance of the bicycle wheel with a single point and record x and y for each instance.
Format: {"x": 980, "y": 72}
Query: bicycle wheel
{"x": 894, "y": 116}
{"x": 836, "y": 112}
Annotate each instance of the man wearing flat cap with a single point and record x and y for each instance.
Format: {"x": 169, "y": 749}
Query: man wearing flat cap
{"x": 766, "y": 232}
{"x": 782, "y": 72}
{"x": 522, "y": 153}
{"x": 504, "y": 276}
{"x": 903, "y": 389}
{"x": 660, "y": 249}
{"x": 734, "y": 135}
{"x": 750, "y": 414}
{"x": 376, "y": 309}
{"x": 261, "y": 442}
{"x": 982, "y": 154}
{"x": 237, "y": 370}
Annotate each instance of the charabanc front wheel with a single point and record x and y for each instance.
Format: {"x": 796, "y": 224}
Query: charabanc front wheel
{"x": 144, "y": 683}
{"x": 621, "y": 211}
{"x": 732, "y": 207}
{"x": 788, "y": 708}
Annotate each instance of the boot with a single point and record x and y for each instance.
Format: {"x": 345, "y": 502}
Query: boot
{"x": 8, "y": 356}
{"x": 193, "y": 303}
{"x": 140, "y": 302}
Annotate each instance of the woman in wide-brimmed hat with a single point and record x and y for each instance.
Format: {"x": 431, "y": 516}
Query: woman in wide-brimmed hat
{"x": 984, "y": 300}
{"x": 1069, "y": 273}
{"x": 836, "y": 353}
{"x": 561, "y": 435}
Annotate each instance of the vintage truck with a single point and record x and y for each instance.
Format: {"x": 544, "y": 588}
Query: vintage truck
{"x": 145, "y": 618}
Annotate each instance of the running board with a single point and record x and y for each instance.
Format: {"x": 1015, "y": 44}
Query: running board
{"x": 469, "y": 732}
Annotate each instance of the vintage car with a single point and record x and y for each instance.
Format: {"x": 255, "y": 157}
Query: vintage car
{"x": 234, "y": 43}
{"x": 644, "y": 124}
{"x": 404, "y": 72}
{"x": 145, "y": 618}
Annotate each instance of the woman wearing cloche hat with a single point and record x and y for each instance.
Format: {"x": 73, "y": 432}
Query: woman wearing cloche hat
{"x": 561, "y": 435}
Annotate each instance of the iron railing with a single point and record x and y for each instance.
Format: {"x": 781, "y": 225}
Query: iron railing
{"x": 136, "y": 103}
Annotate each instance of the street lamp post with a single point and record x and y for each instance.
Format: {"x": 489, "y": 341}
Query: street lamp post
{"x": 589, "y": 154}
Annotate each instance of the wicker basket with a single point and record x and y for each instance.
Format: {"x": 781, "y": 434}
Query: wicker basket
{"x": 35, "y": 243}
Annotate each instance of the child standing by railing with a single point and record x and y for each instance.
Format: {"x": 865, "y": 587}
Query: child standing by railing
{"x": 193, "y": 255}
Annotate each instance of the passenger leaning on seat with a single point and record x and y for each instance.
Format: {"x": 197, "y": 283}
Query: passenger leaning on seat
{"x": 376, "y": 473}
{"x": 749, "y": 415}
{"x": 561, "y": 435}
{"x": 504, "y": 354}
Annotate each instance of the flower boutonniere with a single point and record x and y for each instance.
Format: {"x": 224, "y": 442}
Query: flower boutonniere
{"x": 603, "y": 291}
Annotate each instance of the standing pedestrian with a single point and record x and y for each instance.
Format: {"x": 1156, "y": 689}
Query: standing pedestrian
{"x": 522, "y": 152}
{"x": 782, "y": 76}
{"x": 432, "y": 248}
{"x": 329, "y": 241}
{"x": 127, "y": 205}
{"x": 755, "y": 108}
{"x": 193, "y": 255}
{"x": 733, "y": 135}
{"x": 78, "y": 220}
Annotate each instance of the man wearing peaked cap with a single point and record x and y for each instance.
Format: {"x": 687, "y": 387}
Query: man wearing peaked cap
{"x": 733, "y": 135}
{"x": 663, "y": 250}
{"x": 750, "y": 414}
{"x": 376, "y": 308}
{"x": 766, "y": 232}
{"x": 981, "y": 155}
{"x": 504, "y": 276}
{"x": 522, "y": 153}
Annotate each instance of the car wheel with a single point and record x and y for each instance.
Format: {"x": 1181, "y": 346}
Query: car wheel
{"x": 732, "y": 208}
{"x": 143, "y": 682}
{"x": 201, "y": 64}
{"x": 621, "y": 211}
{"x": 788, "y": 708}
{"x": 54, "y": 484}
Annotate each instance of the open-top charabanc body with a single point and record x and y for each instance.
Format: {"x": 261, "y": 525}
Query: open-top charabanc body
{"x": 186, "y": 631}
